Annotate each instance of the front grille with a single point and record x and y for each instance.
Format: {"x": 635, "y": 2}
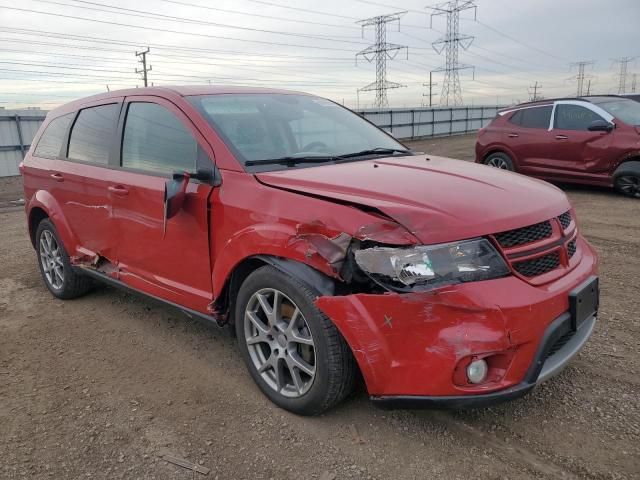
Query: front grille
{"x": 538, "y": 266}
{"x": 520, "y": 236}
{"x": 565, "y": 220}
{"x": 561, "y": 342}
{"x": 571, "y": 248}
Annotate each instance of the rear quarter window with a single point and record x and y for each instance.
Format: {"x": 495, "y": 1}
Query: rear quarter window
{"x": 50, "y": 142}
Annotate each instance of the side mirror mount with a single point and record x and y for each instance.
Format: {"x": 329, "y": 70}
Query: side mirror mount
{"x": 174, "y": 194}
{"x": 601, "y": 126}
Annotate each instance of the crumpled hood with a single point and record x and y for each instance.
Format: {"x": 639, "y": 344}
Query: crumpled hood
{"x": 437, "y": 199}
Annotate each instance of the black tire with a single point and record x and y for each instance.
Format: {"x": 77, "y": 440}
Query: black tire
{"x": 73, "y": 284}
{"x": 628, "y": 183}
{"x": 500, "y": 160}
{"x": 335, "y": 367}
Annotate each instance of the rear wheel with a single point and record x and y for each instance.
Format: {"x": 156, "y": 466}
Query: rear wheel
{"x": 500, "y": 160}
{"x": 62, "y": 280}
{"x": 292, "y": 350}
{"x": 628, "y": 184}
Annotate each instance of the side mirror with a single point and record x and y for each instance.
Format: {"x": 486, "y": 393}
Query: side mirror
{"x": 174, "y": 193}
{"x": 600, "y": 126}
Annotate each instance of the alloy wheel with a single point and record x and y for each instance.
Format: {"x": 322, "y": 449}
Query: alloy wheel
{"x": 280, "y": 343}
{"x": 51, "y": 260}
{"x": 629, "y": 185}
{"x": 498, "y": 162}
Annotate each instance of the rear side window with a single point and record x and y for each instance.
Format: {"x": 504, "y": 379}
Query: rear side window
{"x": 534, "y": 117}
{"x": 51, "y": 140}
{"x": 574, "y": 117}
{"x": 156, "y": 140}
{"x": 92, "y": 134}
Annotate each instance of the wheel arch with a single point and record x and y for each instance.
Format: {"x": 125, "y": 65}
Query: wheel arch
{"x": 631, "y": 164}
{"x": 44, "y": 205}
{"x": 36, "y": 215}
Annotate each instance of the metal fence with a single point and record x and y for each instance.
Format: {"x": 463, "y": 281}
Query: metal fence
{"x": 17, "y": 129}
{"x": 412, "y": 123}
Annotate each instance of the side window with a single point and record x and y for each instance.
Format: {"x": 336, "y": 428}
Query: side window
{"x": 51, "y": 140}
{"x": 516, "y": 118}
{"x": 92, "y": 134}
{"x": 574, "y": 117}
{"x": 156, "y": 140}
{"x": 533, "y": 117}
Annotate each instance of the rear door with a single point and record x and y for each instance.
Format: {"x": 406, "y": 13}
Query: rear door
{"x": 527, "y": 132}
{"x": 576, "y": 152}
{"x": 157, "y": 139}
{"x": 79, "y": 178}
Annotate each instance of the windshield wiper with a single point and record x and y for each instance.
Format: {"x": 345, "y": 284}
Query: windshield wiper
{"x": 291, "y": 160}
{"x": 376, "y": 151}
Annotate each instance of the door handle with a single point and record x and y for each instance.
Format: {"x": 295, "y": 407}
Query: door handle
{"x": 561, "y": 137}
{"x": 119, "y": 190}
{"x": 57, "y": 177}
{"x": 513, "y": 135}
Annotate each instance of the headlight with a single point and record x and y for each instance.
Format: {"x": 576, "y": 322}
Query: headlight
{"x": 433, "y": 265}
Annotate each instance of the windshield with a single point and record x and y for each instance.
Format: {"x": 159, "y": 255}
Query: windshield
{"x": 264, "y": 127}
{"x": 622, "y": 108}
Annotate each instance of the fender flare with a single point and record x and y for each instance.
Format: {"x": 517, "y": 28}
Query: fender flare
{"x": 45, "y": 201}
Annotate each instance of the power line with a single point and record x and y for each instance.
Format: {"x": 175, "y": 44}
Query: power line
{"x": 450, "y": 42}
{"x": 381, "y": 51}
{"x": 163, "y": 30}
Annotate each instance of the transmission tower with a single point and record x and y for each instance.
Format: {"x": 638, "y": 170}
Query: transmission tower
{"x": 623, "y": 74}
{"x": 449, "y": 43}
{"x": 533, "y": 92}
{"x": 381, "y": 51}
{"x": 143, "y": 61}
{"x": 580, "y": 76}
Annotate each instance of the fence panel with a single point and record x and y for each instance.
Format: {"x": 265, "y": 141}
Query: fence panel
{"x": 404, "y": 123}
{"x": 17, "y": 129}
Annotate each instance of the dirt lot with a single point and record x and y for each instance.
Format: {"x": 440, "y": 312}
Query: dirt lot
{"x": 99, "y": 387}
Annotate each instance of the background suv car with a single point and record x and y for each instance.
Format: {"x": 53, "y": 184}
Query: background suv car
{"x": 589, "y": 140}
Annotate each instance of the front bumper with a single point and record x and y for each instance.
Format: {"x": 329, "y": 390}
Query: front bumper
{"x": 409, "y": 347}
{"x": 542, "y": 368}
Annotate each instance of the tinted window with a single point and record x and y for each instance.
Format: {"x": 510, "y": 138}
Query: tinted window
{"x": 92, "y": 134}
{"x": 574, "y": 117}
{"x": 626, "y": 110}
{"x": 534, "y": 117}
{"x": 155, "y": 140}
{"x": 51, "y": 140}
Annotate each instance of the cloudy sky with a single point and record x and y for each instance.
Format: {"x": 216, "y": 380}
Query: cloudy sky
{"x": 52, "y": 51}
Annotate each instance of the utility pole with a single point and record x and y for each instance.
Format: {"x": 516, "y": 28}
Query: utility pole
{"x": 633, "y": 82}
{"x": 450, "y": 43}
{"x": 589, "y": 87}
{"x": 622, "y": 75}
{"x": 431, "y": 84}
{"x": 381, "y": 51}
{"x": 143, "y": 61}
{"x": 580, "y": 76}
{"x": 533, "y": 96}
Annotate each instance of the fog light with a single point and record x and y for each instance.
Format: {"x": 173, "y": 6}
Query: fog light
{"x": 477, "y": 371}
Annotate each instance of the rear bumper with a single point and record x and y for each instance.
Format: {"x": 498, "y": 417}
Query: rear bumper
{"x": 542, "y": 368}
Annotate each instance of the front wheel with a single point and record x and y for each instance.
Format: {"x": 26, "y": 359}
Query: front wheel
{"x": 292, "y": 350}
{"x": 628, "y": 184}
{"x": 500, "y": 160}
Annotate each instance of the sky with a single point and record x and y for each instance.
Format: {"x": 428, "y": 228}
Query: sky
{"x": 52, "y": 51}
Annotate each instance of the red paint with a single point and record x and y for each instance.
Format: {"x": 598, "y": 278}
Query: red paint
{"x": 559, "y": 154}
{"x": 307, "y": 215}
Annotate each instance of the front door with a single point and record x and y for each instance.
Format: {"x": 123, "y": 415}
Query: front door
{"x": 574, "y": 151}
{"x": 157, "y": 139}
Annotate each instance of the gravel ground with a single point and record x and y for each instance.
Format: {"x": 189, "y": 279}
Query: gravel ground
{"x": 103, "y": 386}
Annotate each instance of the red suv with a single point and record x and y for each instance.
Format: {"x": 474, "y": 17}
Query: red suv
{"x": 331, "y": 249}
{"x": 589, "y": 140}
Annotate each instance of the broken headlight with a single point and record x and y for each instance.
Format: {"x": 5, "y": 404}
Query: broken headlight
{"x": 433, "y": 265}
